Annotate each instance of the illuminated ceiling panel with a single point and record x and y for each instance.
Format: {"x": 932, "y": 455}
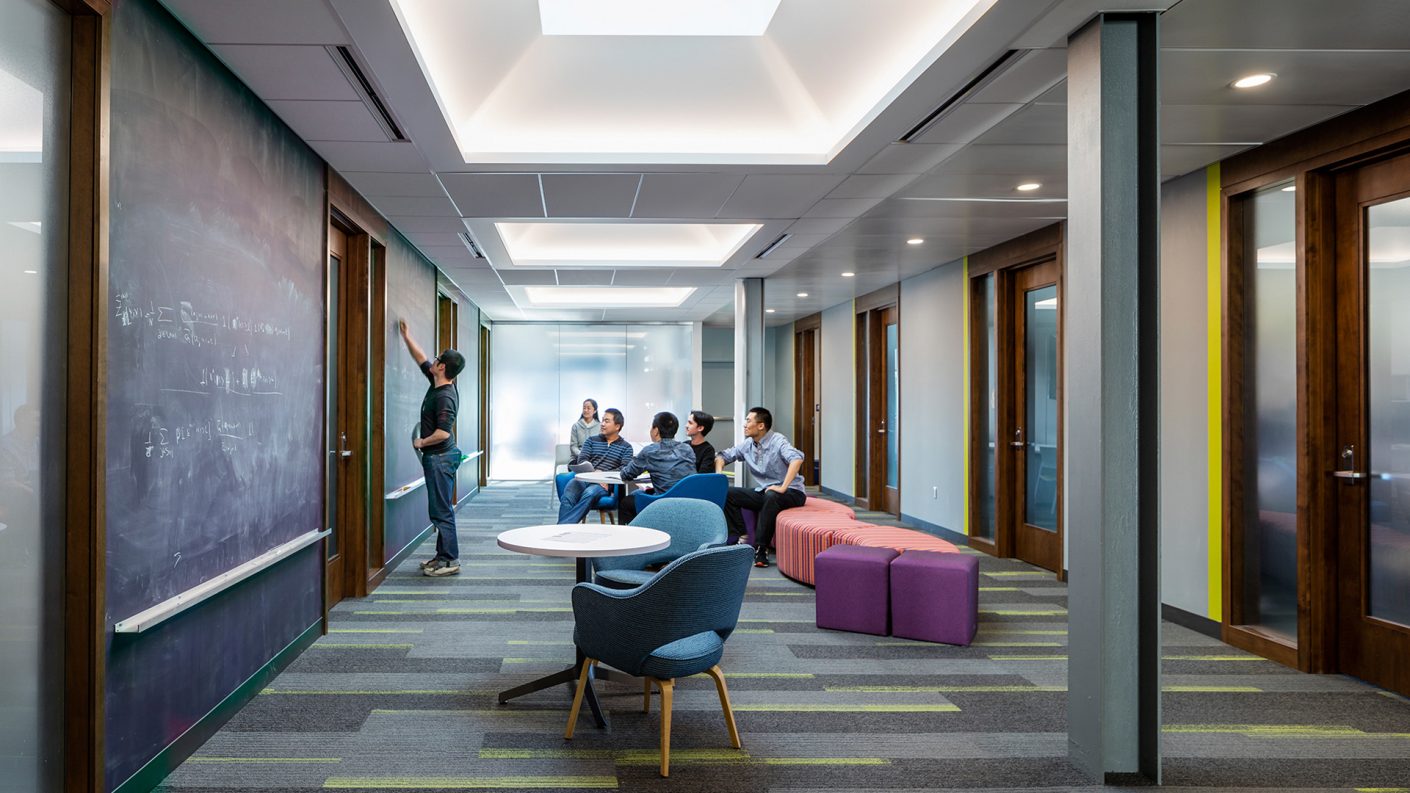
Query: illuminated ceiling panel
{"x": 623, "y": 244}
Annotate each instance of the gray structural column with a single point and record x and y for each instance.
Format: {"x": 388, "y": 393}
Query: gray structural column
{"x": 748, "y": 355}
{"x": 1111, "y": 402}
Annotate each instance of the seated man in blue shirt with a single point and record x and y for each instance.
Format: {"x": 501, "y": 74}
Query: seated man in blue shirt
{"x": 668, "y": 460}
{"x": 774, "y": 464}
{"x": 606, "y": 452}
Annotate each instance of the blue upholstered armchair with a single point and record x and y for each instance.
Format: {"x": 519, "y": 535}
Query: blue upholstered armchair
{"x": 707, "y": 487}
{"x": 606, "y": 505}
{"x": 674, "y": 625}
{"x": 692, "y": 524}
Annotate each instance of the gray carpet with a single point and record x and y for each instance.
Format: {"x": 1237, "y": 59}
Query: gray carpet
{"x": 401, "y": 695}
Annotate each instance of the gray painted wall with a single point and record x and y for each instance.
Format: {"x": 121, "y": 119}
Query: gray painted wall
{"x": 717, "y": 388}
{"x": 838, "y": 399}
{"x": 1184, "y": 417}
{"x": 932, "y": 397}
{"x": 778, "y": 389}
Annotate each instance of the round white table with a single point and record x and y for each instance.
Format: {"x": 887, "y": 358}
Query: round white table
{"x": 582, "y": 541}
{"x": 613, "y": 478}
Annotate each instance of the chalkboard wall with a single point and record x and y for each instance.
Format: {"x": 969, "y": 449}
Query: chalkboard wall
{"x": 411, "y": 295}
{"x": 215, "y": 347}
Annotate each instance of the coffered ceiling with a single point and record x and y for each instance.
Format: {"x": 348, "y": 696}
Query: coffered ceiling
{"x": 375, "y": 88}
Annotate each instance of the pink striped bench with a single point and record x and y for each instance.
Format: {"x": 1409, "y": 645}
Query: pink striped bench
{"x": 803, "y": 533}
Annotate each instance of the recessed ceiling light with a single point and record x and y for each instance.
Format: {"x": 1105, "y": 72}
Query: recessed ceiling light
{"x": 802, "y": 294}
{"x": 848, "y": 275}
{"x": 560, "y": 245}
{"x": 655, "y": 18}
{"x": 769, "y": 310}
{"x": 606, "y": 296}
{"x": 1292, "y": 188}
{"x": 1254, "y": 80}
{"x": 31, "y": 272}
{"x": 914, "y": 241}
{"x": 1028, "y": 187}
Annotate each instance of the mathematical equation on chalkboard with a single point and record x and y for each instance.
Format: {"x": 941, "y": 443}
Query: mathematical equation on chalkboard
{"x": 159, "y": 442}
{"x": 185, "y": 324}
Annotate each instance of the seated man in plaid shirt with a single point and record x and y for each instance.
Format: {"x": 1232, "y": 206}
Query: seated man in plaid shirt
{"x": 606, "y": 452}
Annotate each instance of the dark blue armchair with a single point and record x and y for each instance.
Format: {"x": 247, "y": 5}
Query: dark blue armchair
{"x": 606, "y": 505}
{"x": 674, "y": 625}
{"x": 692, "y": 524}
{"x": 706, "y": 487}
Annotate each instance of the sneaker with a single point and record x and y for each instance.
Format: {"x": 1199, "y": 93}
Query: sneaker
{"x": 428, "y": 562}
{"x": 761, "y": 558}
{"x": 440, "y": 567}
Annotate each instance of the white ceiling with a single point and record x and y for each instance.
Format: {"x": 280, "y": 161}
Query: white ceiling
{"x": 851, "y": 214}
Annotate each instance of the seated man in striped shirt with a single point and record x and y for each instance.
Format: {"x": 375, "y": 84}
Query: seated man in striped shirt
{"x": 606, "y": 452}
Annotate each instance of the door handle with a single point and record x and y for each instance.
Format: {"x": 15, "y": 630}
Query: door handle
{"x": 1348, "y": 456}
{"x": 343, "y": 450}
{"x": 1017, "y": 442}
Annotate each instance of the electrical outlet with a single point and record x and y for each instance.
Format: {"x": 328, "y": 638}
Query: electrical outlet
{"x": 935, "y": 492}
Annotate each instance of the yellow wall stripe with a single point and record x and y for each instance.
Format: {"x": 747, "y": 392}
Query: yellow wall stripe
{"x": 1214, "y": 395}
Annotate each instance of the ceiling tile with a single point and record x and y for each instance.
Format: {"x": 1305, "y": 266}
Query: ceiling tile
{"x": 372, "y": 183}
{"x": 435, "y": 239}
{"x": 1180, "y": 160}
{"x": 642, "y": 277}
{"x": 517, "y": 277}
{"x": 495, "y": 195}
{"x": 1230, "y": 124}
{"x": 448, "y": 253}
{"x": 684, "y": 195}
{"x": 265, "y": 21}
{"x": 698, "y": 277}
{"x": 1340, "y": 77}
{"x": 870, "y": 186}
{"x": 590, "y": 195}
{"x": 1019, "y": 160}
{"x": 357, "y": 156}
{"x": 411, "y": 224}
{"x": 778, "y": 195}
{"x": 1034, "y": 72}
{"x": 328, "y": 120}
{"x": 282, "y": 71}
{"x": 1287, "y": 24}
{"x": 843, "y": 207}
{"x": 980, "y": 186}
{"x": 908, "y": 158}
{"x": 585, "y": 277}
{"x": 414, "y": 205}
{"x": 963, "y": 123}
{"x": 819, "y": 225}
{"x": 1034, "y": 124}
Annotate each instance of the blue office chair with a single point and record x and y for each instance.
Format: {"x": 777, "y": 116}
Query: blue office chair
{"x": 674, "y": 625}
{"x": 606, "y": 505}
{"x": 706, "y": 487}
{"x": 692, "y": 524}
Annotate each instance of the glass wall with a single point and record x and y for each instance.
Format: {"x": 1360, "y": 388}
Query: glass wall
{"x": 34, "y": 79}
{"x": 1270, "y": 522}
{"x": 541, "y": 373}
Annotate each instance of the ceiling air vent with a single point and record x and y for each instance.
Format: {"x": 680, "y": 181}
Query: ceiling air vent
{"x": 345, "y": 60}
{"x": 471, "y": 245}
{"x": 990, "y": 73}
{"x": 782, "y": 238}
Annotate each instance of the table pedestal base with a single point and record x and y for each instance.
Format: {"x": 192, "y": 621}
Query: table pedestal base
{"x": 569, "y": 676}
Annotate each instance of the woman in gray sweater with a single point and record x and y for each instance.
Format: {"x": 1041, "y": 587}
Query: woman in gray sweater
{"x": 585, "y": 427}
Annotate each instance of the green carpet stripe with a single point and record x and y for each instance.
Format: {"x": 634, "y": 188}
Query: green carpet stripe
{"x": 470, "y": 783}
{"x": 1025, "y": 612}
{"x": 376, "y": 630}
{"x": 979, "y": 689}
{"x": 1028, "y": 658}
{"x": 537, "y": 643}
{"x": 1211, "y": 658}
{"x": 985, "y": 630}
{"x": 1283, "y": 731}
{"x": 789, "y": 675}
{"x": 813, "y": 707}
{"x": 1020, "y": 574}
{"x": 1211, "y": 689}
{"x": 349, "y": 646}
{"x": 206, "y": 760}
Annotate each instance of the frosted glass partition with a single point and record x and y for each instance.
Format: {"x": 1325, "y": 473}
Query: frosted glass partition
{"x": 34, "y": 80}
{"x": 541, "y": 373}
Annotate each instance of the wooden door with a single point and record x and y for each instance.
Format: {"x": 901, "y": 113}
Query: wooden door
{"x": 805, "y": 402}
{"x": 1034, "y": 429}
{"x": 347, "y": 428}
{"x": 337, "y": 542}
{"x": 1372, "y": 465}
{"x": 878, "y": 409}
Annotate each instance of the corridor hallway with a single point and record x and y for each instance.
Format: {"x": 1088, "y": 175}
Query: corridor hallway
{"x": 401, "y": 696}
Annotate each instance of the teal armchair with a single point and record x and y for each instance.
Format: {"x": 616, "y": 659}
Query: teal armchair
{"x": 674, "y": 625}
{"x": 708, "y": 487}
{"x": 692, "y": 524}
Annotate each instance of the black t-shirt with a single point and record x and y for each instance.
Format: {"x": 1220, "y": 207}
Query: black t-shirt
{"x": 704, "y": 458}
{"x": 438, "y": 411}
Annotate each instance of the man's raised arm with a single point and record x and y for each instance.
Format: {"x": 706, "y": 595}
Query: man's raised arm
{"x": 411, "y": 346}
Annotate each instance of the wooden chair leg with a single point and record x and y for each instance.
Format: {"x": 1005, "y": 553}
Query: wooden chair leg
{"x": 578, "y": 699}
{"x": 719, "y": 678}
{"x": 667, "y": 689}
{"x": 646, "y": 695}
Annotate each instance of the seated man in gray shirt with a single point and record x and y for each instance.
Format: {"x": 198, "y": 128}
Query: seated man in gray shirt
{"x": 668, "y": 460}
{"x": 775, "y": 465}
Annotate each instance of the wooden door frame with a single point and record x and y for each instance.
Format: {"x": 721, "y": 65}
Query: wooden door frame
{"x": 1002, "y": 262}
{"x": 809, "y": 410}
{"x": 86, "y": 374}
{"x": 868, "y": 483}
{"x": 1311, "y": 158}
{"x": 485, "y": 423}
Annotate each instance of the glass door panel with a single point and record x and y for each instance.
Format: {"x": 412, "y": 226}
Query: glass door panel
{"x": 893, "y": 405}
{"x": 1388, "y": 295}
{"x": 331, "y": 403}
{"x": 1040, "y": 410}
{"x": 986, "y": 409}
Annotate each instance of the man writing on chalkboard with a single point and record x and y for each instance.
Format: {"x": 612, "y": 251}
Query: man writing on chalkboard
{"x": 439, "y": 456}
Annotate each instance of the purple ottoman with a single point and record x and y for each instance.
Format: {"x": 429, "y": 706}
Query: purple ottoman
{"x": 935, "y": 597}
{"x": 853, "y": 587}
